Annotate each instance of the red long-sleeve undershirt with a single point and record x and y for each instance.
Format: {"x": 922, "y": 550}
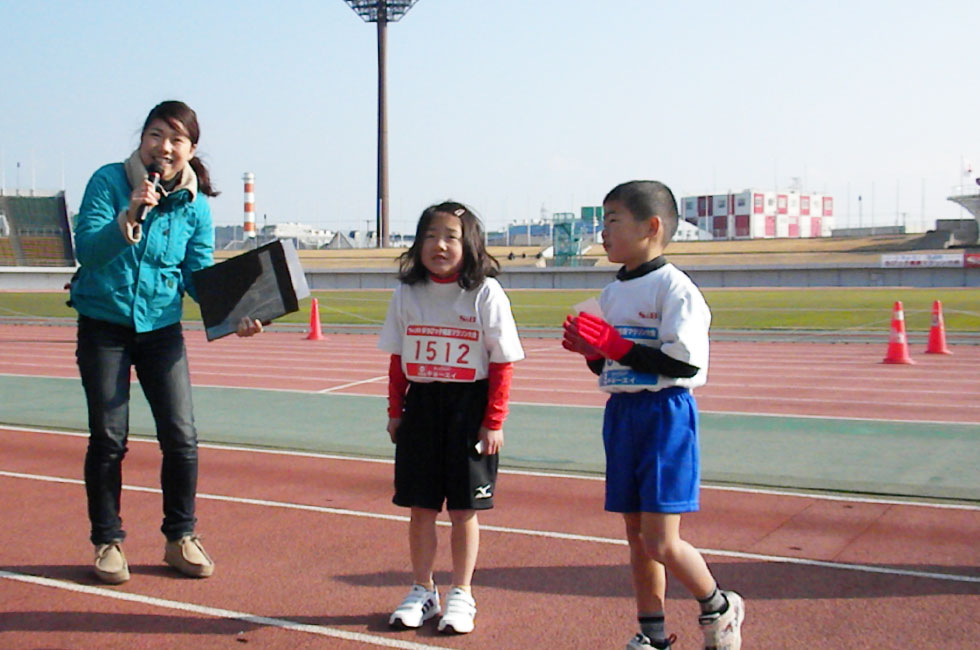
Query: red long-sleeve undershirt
{"x": 499, "y": 377}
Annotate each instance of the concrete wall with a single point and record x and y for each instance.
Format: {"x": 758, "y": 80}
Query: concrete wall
{"x": 49, "y": 279}
{"x": 706, "y": 277}
{"x": 34, "y": 278}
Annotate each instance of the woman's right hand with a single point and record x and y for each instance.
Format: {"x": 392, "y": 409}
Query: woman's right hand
{"x": 142, "y": 195}
{"x": 249, "y": 327}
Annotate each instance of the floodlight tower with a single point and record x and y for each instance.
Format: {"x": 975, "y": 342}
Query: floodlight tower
{"x": 382, "y": 12}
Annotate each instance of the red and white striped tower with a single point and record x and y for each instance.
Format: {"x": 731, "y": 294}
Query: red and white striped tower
{"x": 249, "y": 227}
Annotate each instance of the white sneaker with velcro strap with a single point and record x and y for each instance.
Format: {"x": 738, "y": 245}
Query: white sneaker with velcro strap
{"x": 460, "y": 612}
{"x": 419, "y": 605}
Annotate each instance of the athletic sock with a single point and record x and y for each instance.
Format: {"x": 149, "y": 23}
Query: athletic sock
{"x": 652, "y": 626}
{"x": 716, "y": 603}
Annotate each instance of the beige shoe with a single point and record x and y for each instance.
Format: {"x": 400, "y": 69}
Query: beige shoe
{"x": 110, "y": 563}
{"x": 187, "y": 555}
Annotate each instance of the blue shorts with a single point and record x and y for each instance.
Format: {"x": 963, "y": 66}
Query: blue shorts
{"x": 652, "y": 458}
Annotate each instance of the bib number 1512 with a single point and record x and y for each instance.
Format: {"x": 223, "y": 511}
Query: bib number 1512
{"x": 451, "y": 352}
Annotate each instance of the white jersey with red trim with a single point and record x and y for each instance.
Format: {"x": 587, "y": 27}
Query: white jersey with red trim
{"x": 446, "y": 333}
{"x": 662, "y": 309}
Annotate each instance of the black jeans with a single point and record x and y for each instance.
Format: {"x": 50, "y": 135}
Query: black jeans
{"x": 105, "y": 354}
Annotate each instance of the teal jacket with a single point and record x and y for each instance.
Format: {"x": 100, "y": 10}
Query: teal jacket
{"x": 138, "y": 285}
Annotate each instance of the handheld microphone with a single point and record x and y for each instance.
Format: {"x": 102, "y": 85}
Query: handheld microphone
{"x": 154, "y": 171}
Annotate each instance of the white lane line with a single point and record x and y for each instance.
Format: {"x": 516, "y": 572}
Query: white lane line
{"x": 372, "y": 380}
{"x": 216, "y": 612}
{"x": 862, "y": 568}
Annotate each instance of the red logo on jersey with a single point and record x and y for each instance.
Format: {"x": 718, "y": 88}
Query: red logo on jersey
{"x": 467, "y": 319}
{"x": 438, "y": 331}
{"x": 432, "y": 371}
{"x": 652, "y": 315}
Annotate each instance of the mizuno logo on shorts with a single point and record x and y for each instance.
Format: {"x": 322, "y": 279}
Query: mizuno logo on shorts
{"x": 483, "y": 491}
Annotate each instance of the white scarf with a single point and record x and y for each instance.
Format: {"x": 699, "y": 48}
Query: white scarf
{"x": 136, "y": 173}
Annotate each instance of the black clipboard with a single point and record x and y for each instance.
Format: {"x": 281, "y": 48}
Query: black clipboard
{"x": 265, "y": 283}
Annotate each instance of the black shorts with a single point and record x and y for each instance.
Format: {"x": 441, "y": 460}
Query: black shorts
{"x": 435, "y": 459}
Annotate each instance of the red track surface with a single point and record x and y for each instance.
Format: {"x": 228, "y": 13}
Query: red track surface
{"x": 826, "y": 379}
{"x": 816, "y": 572}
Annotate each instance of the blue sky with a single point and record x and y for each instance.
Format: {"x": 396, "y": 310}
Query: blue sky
{"x": 507, "y": 105}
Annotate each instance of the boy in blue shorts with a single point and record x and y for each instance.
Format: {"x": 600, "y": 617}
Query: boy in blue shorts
{"x": 649, "y": 347}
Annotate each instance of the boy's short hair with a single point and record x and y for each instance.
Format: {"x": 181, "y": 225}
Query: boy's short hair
{"x": 645, "y": 199}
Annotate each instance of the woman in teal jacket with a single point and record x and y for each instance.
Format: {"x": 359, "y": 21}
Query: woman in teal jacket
{"x": 138, "y": 245}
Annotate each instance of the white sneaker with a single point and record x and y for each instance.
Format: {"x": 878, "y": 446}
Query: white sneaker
{"x": 643, "y": 642}
{"x": 460, "y": 611}
{"x": 724, "y": 631}
{"x": 419, "y": 605}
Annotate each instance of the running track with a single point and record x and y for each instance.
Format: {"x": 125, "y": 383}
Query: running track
{"x": 311, "y": 553}
{"x": 819, "y": 379}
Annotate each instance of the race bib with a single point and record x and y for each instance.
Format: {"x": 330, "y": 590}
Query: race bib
{"x": 439, "y": 353}
{"x": 617, "y": 375}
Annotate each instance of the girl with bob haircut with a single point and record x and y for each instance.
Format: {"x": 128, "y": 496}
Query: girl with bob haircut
{"x": 478, "y": 264}
{"x": 453, "y": 341}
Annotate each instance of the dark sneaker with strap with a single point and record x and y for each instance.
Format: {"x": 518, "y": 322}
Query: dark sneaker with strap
{"x": 643, "y": 642}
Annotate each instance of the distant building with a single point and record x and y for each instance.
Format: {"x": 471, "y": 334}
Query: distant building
{"x": 529, "y": 233}
{"x": 541, "y": 231}
{"x": 301, "y": 235}
{"x": 968, "y": 198}
{"x": 689, "y": 232}
{"x": 229, "y": 237}
{"x": 586, "y": 227}
{"x": 398, "y": 240}
{"x": 341, "y": 241}
{"x": 758, "y": 214}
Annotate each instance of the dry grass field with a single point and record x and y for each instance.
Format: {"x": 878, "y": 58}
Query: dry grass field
{"x": 751, "y": 252}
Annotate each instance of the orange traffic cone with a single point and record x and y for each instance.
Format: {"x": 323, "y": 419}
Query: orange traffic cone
{"x": 937, "y": 333}
{"x": 316, "y": 334}
{"x": 898, "y": 343}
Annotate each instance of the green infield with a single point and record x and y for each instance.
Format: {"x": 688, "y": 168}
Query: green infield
{"x": 732, "y": 309}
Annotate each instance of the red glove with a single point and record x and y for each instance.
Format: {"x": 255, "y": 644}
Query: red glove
{"x": 574, "y": 342}
{"x": 602, "y": 336}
